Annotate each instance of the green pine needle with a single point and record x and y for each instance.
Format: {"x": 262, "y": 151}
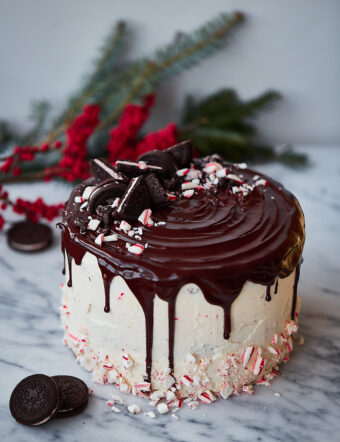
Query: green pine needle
{"x": 223, "y": 123}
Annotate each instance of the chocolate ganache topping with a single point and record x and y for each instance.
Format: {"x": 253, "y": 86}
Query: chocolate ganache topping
{"x": 168, "y": 220}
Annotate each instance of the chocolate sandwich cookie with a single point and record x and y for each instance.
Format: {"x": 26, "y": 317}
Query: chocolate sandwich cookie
{"x": 160, "y": 158}
{"x": 74, "y": 395}
{"x": 104, "y": 191}
{"x": 102, "y": 170}
{"x": 156, "y": 190}
{"x": 26, "y": 236}
{"x": 182, "y": 153}
{"x": 35, "y": 400}
{"x": 133, "y": 169}
{"x": 135, "y": 200}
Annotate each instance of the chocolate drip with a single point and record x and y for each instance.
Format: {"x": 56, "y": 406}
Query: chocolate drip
{"x": 213, "y": 240}
{"x": 69, "y": 266}
{"x": 107, "y": 279}
{"x": 276, "y": 286}
{"x": 171, "y": 318}
{"x": 296, "y": 282}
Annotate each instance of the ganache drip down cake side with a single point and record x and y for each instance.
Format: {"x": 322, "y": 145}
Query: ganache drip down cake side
{"x": 181, "y": 275}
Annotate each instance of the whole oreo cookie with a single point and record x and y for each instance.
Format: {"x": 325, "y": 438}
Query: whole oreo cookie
{"x": 104, "y": 191}
{"x": 26, "y": 236}
{"x": 34, "y": 400}
{"x": 182, "y": 153}
{"x": 160, "y": 158}
{"x": 74, "y": 395}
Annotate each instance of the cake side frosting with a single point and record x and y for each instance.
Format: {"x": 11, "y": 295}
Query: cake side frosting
{"x": 112, "y": 345}
{"x": 222, "y": 228}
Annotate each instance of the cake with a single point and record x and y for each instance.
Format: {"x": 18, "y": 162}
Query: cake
{"x": 181, "y": 275}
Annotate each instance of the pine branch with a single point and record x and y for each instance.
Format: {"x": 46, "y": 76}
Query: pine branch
{"x": 39, "y": 114}
{"x": 220, "y": 123}
{"x": 104, "y": 66}
{"x": 6, "y": 135}
{"x": 183, "y": 53}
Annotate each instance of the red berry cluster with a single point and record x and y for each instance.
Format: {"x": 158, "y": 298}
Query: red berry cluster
{"x": 23, "y": 154}
{"x": 122, "y": 141}
{"x": 162, "y": 139}
{"x": 123, "y": 138}
{"x": 73, "y": 165}
{"x": 37, "y": 209}
{"x": 32, "y": 210}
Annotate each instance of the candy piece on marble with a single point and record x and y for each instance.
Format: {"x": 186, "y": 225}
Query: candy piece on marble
{"x": 134, "y": 409}
{"x": 163, "y": 408}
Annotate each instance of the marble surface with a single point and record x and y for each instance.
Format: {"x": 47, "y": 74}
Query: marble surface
{"x": 308, "y": 408}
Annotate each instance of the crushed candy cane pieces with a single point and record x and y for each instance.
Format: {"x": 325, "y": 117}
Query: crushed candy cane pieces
{"x": 247, "y": 355}
{"x": 188, "y": 193}
{"x": 163, "y": 408}
{"x": 145, "y": 216}
{"x": 134, "y": 409}
{"x": 99, "y": 239}
{"x": 136, "y": 249}
{"x": 87, "y": 192}
{"x": 93, "y": 224}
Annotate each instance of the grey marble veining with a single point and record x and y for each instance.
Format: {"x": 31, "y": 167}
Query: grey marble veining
{"x": 308, "y": 408}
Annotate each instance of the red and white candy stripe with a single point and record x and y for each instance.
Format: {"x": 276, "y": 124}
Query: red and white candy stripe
{"x": 247, "y": 355}
{"x": 136, "y": 249}
{"x": 258, "y": 365}
{"x": 145, "y": 216}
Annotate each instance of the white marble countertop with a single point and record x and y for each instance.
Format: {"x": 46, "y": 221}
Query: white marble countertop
{"x": 308, "y": 408}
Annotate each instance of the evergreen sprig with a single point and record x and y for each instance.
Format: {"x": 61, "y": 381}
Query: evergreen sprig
{"x": 113, "y": 84}
{"x": 223, "y": 123}
{"x": 218, "y": 123}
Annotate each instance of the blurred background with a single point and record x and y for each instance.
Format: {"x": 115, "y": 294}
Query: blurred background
{"x": 291, "y": 46}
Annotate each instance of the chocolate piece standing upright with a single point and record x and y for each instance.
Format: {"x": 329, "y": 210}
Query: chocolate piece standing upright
{"x": 162, "y": 159}
{"x": 102, "y": 170}
{"x": 135, "y": 199}
{"x": 157, "y": 192}
{"x": 182, "y": 153}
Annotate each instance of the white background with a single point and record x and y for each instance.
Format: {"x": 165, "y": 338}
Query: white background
{"x": 290, "y": 45}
